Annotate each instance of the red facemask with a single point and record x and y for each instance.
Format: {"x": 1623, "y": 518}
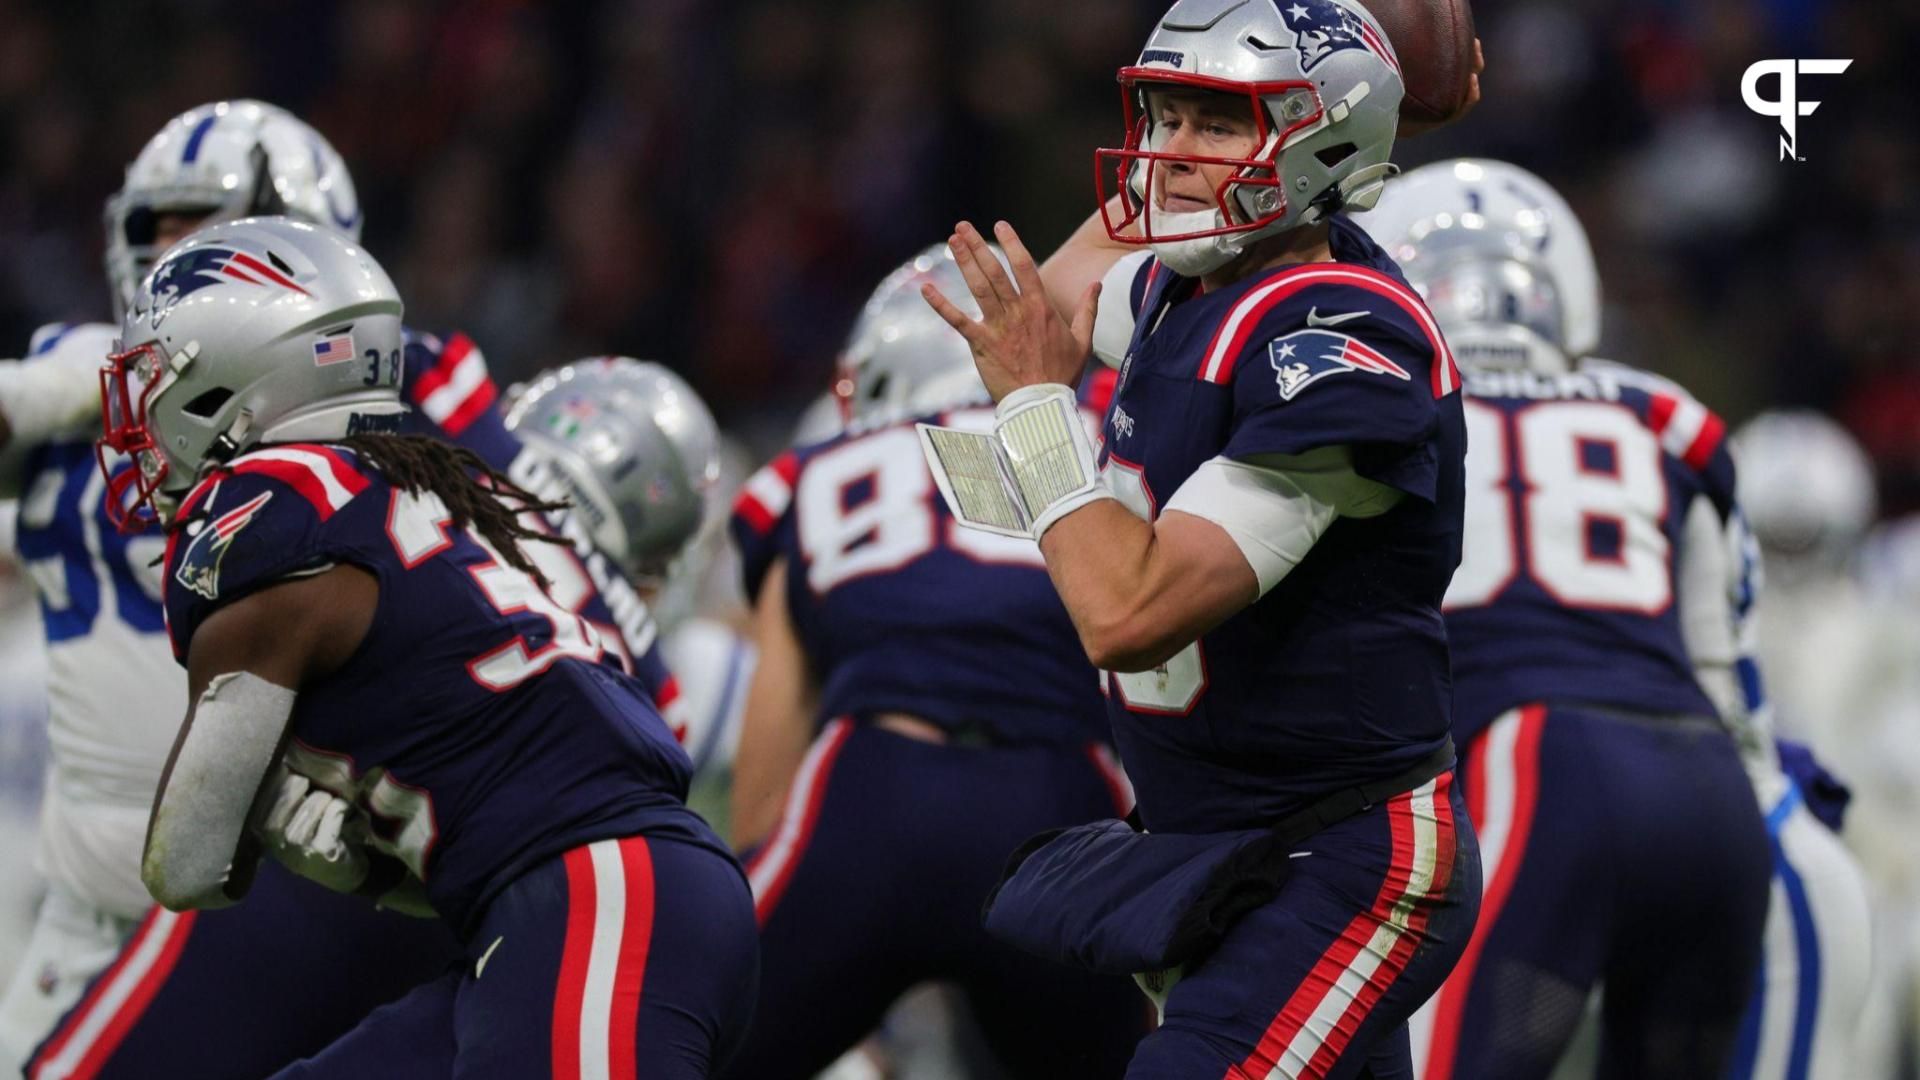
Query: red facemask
{"x": 127, "y": 385}
{"x": 1259, "y": 173}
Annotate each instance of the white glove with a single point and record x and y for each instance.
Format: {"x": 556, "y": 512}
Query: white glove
{"x": 316, "y": 834}
{"x": 1157, "y": 985}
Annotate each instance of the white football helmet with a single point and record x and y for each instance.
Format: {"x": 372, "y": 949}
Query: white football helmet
{"x": 902, "y": 357}
{"x": 636, "y": 448}
{"x": 251, "y": 331}
{"x": 227, "y": 160}
{"x": 1514, "y": 212}
{"x": 1325, "y": 91}
{"x": 1806, "y": 485}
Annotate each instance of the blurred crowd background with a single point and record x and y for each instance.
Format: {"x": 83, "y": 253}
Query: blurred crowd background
{"x": 718, "y": 184}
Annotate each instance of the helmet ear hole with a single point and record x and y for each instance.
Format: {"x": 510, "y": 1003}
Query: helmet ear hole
{"x": 1332, "y": 156}
{"x": 208, "y": 403}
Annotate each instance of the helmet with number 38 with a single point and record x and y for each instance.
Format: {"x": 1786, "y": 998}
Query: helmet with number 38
{"x": 253, "y": 331}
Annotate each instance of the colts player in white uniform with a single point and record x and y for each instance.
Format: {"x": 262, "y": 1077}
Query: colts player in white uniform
{"x": 109, "y": 678}
{"x": 112, "y": 685}
{"x": 1439, "y": 220}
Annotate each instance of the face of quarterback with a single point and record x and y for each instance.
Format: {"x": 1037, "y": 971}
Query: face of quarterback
{"x": 1201, "y": 124}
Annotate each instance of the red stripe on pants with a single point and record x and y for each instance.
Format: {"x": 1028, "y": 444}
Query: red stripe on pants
{"x": 1450, "y": 1005}
{"x": 570, "y": 992}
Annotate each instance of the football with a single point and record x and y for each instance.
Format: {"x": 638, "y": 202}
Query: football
{"x": 1433, "y": 40}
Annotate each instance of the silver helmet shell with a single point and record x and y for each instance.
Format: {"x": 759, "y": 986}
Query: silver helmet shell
{"x": 1324, "y": 88}
{"x": 1455, "y": 208}
{"x": 226, "y": 160}
{"x": 636, "y": 448}
{"x": 902, "y": 357}
{"x": 251, "y": 331}
{"x": 1806, "y": 485}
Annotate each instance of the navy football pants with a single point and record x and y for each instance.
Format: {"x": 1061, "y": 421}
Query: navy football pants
{"x": 621, "y": 958}
{"x": 236, "y": 993}
{"x": 1620, "y": 850}
{"x": 873, "y": 882}
{"x": 1320, "y": 982}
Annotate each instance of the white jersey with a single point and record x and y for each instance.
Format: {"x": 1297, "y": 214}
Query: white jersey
{"x": 115, "y": 694}
{"x": 713, "y": 664}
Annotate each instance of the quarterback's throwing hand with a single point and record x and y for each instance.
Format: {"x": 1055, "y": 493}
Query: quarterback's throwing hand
{"x": 1019, "y": 339}
{"x": 309, "y": 830}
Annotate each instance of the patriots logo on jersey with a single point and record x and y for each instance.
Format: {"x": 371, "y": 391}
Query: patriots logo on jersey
{"x": 1322, "y": 28}
{"x": 200, "y": 565}
{"x": 1304, "y": 357}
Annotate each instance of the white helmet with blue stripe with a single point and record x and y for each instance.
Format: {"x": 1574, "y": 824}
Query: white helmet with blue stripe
{"x": 226, "y": 160}
{"x": 1508, "y": 245}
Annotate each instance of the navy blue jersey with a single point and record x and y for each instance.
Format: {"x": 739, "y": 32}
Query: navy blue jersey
{"x": 1578, "y": 490}
{"x": 1338, "y": 675}
{"x": 453, "y": 396}
{"x": 900, "y": 609}
{"x": 481, "y": 724}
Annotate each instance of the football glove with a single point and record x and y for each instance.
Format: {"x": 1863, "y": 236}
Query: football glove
{"x": 316, "y": 834}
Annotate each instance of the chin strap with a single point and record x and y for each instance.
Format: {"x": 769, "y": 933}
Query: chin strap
{"x": 1361, "y": 189}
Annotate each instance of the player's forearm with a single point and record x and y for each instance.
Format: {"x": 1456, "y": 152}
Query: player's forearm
{"x": 44, "y": 399}
{"x": 226, "y": 749}
{"x": 778, "y": 719}
{"x": 773, "y": 742}
{"x": 1139, "y": 592}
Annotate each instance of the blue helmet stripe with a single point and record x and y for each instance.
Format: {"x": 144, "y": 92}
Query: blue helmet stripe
{"x": 193, "y": 140}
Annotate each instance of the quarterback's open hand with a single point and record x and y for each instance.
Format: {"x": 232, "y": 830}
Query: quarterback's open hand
{"x": 1019, "y": 339}
{"x": 313, "y": 832}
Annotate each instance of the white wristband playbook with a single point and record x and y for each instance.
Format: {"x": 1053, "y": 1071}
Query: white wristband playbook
{"x": 1035, "y": 467}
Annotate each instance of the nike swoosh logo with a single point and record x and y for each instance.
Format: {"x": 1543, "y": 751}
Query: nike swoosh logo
{"x": 481, "y": 964}
{"x": 1314, "y": 318}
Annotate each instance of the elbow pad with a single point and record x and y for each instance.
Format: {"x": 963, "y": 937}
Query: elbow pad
{"x": 223, "y": 759}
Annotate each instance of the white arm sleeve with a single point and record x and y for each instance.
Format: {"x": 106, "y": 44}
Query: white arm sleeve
{"x": 1714, "y": 581}
{"x": 1277, "y": 506}
{"x": 1707, "y": 621}
{"x": 53, "y": 395}
{"x": 1113, "y": 320}
{"x": 218, "y": 770}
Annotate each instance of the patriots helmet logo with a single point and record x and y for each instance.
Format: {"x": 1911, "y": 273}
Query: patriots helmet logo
{"x": 200, "y": 565}
{"x": 201, "y": 267}
{"x": 1304, "y": 357}
{"x": 1322, "y": 28}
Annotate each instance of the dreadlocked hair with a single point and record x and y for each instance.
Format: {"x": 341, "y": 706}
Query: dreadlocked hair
{"x": 475, "y": 493}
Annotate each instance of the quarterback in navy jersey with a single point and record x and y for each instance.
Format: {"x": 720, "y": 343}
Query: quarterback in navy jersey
{"x": 1261, "y": 567}
{"x": 1601, "y": 700}
{"x": 921, "y": 706}
{"x": 361, "y": 618}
